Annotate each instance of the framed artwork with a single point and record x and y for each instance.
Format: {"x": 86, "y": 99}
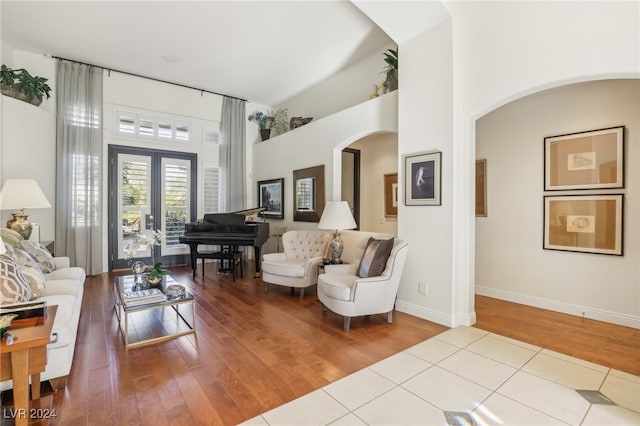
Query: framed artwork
{"x": 308, "y": 194}
{"x": 391, "y": 195}
{"x": 271, "y": 197}
{"x": 481, "y": 188}
{"x": 586, "y": 160}
{"x": 583, "y": 223}
{"x": 422, "y": 179}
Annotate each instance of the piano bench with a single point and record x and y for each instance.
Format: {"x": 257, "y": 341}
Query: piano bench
{"x": 233, "y": 258}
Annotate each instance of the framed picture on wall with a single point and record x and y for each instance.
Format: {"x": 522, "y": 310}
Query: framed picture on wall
{"x": 481, "y": 188}
{"x": 270, "y": 196}
{"x": 583, "y": 223}
{"x": 422, "y": 179}
{"x": 585, "y": 160}
{"x": 391, "y": 195}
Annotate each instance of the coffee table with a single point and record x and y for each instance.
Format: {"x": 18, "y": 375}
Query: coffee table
{"x": 181, "y": 306}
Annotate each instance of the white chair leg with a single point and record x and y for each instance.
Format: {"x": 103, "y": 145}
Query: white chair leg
{"x": 301, "y": 293}
{"x": 324, "y": 308}
{"x": 266, "y": 287}
{"x": 389, "y": 317}
{"x": 347, "y": 322}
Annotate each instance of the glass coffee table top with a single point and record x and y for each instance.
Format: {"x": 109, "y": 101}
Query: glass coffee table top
{"x": 131, "y": 300}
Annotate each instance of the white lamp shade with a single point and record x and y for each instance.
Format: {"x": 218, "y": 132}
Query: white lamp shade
{"x": 3, "y": 249}
{"x": 22, "y": 194}
{"x": 337, "y": 215}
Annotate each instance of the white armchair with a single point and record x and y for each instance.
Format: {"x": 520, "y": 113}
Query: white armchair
{"x": 297, "y": 267}
{"x": 343, "y": 292}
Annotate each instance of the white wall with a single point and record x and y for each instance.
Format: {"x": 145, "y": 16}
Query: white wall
{"x": 531, "y": 46}
{"x": 343, "y": 90}
{"x": 321, "y": 142}
{"x": 378, "y": 156}
{"x": 426, "y": 124}
{"x": 510, "y": 262}
{"x": 486, "y": 55}
{"x": 29, "y": 139}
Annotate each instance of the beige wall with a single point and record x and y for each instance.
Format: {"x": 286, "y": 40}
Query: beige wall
{"x": 379, "y": 156}
{"x": 510, "y": 261}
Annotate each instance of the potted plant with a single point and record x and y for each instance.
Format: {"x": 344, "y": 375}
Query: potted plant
{"x": 21, "y": 85}
{"x": 264, "y": 122}
{"x": 156, "y": 273}
{"x": 391, "y": 70}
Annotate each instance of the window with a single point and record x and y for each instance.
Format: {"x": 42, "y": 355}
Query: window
{"x": 211, "y": 135}
{"x": 148, "y": 127}
{"x": 211, "y": 189}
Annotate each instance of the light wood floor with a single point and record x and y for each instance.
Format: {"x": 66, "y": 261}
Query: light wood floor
{"x": 255, "y": 351}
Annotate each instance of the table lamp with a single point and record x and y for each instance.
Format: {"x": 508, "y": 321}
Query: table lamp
{"x": 337, "y": 216}
{"x": 20, "y": 194}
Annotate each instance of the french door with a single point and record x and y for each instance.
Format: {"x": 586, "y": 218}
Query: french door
{"x": 149, "y": 190}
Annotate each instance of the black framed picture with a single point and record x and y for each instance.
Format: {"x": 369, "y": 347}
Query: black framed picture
{"x": 422, "y": 179}
{"x": 271, "y": 197}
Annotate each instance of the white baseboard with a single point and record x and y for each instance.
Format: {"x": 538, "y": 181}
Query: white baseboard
{"x": 435, "y": 316}
{"x": 563, "y": 307}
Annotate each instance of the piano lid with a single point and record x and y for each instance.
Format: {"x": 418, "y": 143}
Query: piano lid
{"x": 250, "y": 212}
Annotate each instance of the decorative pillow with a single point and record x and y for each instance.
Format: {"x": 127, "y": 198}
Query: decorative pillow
{"x": 29, "y": 269}
{"x": 10, "y": 236}
{"x": 14, "y": 287}
{"x": 40, "y": 254}
{"x": 375, "y": 256}
{"x": 35, "y": 279}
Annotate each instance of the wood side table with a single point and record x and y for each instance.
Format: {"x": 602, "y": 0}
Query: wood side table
{"x": 26, "y": 356}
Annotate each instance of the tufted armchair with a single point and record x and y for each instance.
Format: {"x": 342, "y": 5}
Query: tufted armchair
{"x": 298, "y": 265}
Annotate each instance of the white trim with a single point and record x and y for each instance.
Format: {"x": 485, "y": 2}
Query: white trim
{"x": 563, "y": 307}
{"x": 436, "y": 316}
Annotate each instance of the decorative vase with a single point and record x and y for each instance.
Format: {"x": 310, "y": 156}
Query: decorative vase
{"x": 265, "y": 134}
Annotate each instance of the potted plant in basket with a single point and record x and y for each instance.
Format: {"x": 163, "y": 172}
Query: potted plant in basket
{"x": 19, "y": 84}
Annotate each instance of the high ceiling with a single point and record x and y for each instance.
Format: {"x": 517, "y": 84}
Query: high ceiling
{"x": 261, "y": 51}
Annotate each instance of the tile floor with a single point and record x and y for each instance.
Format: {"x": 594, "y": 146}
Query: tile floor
{"x": 468, "y": 376}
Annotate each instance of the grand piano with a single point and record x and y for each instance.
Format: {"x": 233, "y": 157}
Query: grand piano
{"x": 226, "y": 229}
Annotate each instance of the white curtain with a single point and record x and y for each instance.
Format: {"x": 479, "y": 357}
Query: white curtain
{"x": 234, "y": 156}
{"x": 79, "y": 165}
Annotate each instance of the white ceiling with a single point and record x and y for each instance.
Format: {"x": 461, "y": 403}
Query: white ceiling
{"x": 262, "y": 51}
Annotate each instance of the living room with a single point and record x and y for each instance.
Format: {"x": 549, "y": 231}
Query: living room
{"x": 451, "y": 78}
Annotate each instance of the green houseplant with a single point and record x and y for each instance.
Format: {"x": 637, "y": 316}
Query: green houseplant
{"x": 391, "y": 70}
{"x": 21, "y": 85}
{"x": 156, "y": 273}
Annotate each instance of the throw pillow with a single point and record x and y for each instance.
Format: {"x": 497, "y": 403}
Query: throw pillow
{"x": 29, "y": 269}
{"x": 10, "y": 236}
{"x": 14, "y": 287}
{"x": 35, "y": 279}
{"x": 375, "y": 257}
{"x": 40, "y": 254}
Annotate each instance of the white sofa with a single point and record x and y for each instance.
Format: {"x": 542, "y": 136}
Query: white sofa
{"x": 342, "y": 291}
{"x": 63, "y": 287}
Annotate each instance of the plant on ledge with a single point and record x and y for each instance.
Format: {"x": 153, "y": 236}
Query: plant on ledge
{"x": 21, "y": 85}
{"x": 391, "y": 70}
{"x": 262, "y": 120}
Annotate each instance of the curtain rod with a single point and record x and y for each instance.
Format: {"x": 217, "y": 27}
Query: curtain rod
{"x": 148, "y": 78}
